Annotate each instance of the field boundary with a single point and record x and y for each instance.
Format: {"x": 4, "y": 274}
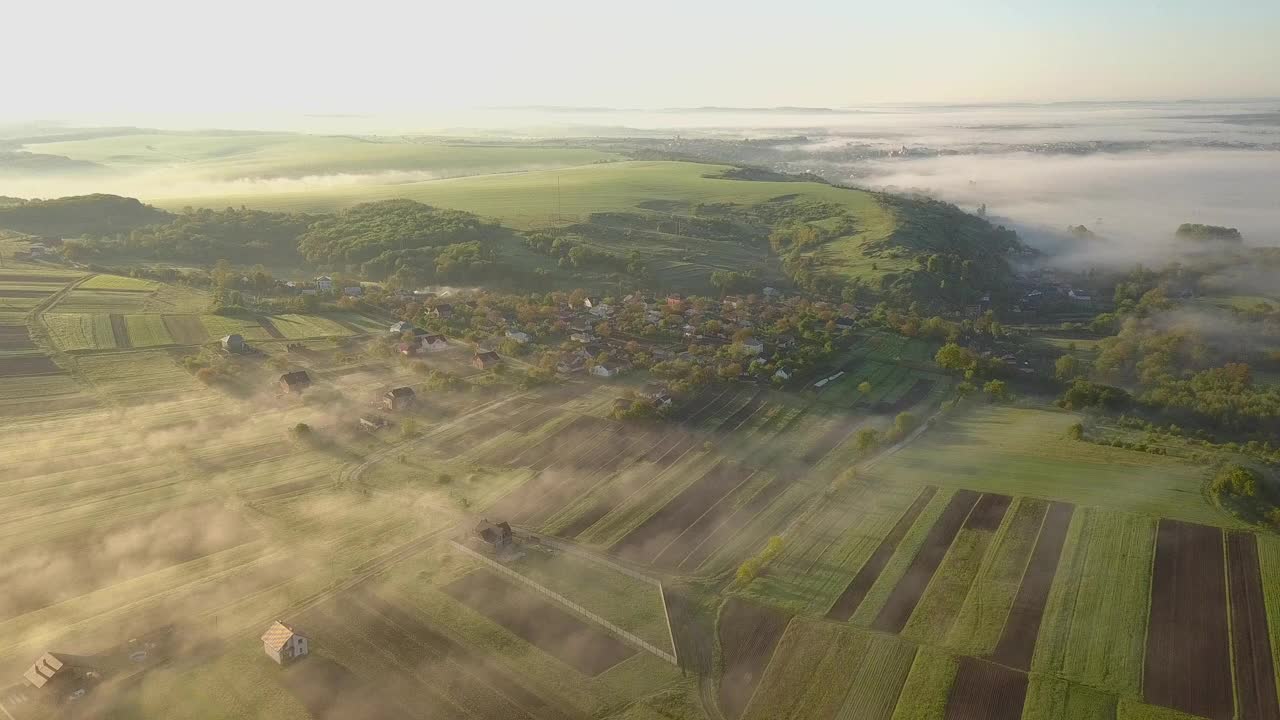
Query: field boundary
{"x": 623, "y": 634}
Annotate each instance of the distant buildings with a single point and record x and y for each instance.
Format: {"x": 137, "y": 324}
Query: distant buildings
{"x": 284, "y": 644}
{"x": 324, "y": 283}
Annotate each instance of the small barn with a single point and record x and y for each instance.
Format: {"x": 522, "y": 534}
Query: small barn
{"x": 233, "y": 343}
{"x": 295, "y": 382}
{"x": 59, "y": 676}
{"x": 485, "y": 360}
{"x": 443, "y": 310}
{"x": 401, "y": 398}
{"x": 284, "y": 644}
{"x": 373, "y": 423}
{"x": 401, "y": 328}
{"x": 497, "y": 536}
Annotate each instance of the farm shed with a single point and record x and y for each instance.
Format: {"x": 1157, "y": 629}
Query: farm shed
{"x": 373, "y": 422}
{"x": 485, "y": 360}
{"x": 401, "y": 328}
{"x": 295, "y": 381}
{"x": 608, "y": 370}
{"x": 233, "y": 343}
{"x": 282, "y": 643}
{"x": 444, "y": 311}
{"x": 324, "y": 283}
{"x": 401, "y": 398}
{"x": 518, "y": 336}
{"x": 497, "y": 536}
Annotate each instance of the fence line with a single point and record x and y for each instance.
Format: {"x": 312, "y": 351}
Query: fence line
{"x": 575, "y": 550}
{"x": 629, "y": 637}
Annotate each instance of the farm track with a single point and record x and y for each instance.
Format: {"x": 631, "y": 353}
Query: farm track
{"x": 1188, "y": 633}
{"x": 1250, "y": 643}
{"x": 985, "y": 691}
{"x": 1018, "y": 639}
{"x": 857, "y": 590}
{"x": 906, "y": 594}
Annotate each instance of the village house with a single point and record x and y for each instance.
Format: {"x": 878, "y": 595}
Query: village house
{"x": 608, "y": 370}
{"x": 656, "y": 393}
{"x": 582, "y": 337}
{"x": 782, "y": 375}
{"x": 443, "y": 311}
{"x": 401, "y": 328}
{"x": 590, "y": 302}
{"x": 485, "y": 360}
{"x": 753, "y": 346}
{"x": 324, "y": 283}
{"x": 372, "y": 422}
{"x": 295, "y": 381}
{"x": 518, "y": 336}
{"x": 401, "y": 398}
{"x": 284, "y": 644}
{"x": 434, "y": 342}
{"x": 233, "y": 343}
{"x": 497, "y": 536}
{"x": 407, "y": 349}
{"x": 601, "y": 310}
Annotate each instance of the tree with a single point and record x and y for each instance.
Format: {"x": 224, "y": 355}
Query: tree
{"x": 866, "y": 439}
{"x": 954, "y": 357}
{"x": 864, "y": 387}
{"x": 997, "y": 389}
{"x": 904, "y": 423}
{"x": 1076, "y": 431}
{"x": 1066, "y": 368}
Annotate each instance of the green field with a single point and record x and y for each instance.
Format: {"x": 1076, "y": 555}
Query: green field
{"x": 80, "y": 331}
{"x": 235, "y": 156}
{"x": 116, "y": 282}
{"x": 1026, "y": 452}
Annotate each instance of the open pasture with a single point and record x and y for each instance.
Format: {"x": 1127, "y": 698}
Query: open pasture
{"x": 300, "y": 327}
{"x": 101, "y": 301}
{"x": 118, "y": 282}
{"x": 1026, "y": 452}
{"x": 72, "y": 332}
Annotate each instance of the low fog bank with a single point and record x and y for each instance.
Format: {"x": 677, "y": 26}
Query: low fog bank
{"x": 1133, "y": 201}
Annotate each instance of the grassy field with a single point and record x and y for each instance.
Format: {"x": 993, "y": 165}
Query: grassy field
{"x": 116, "y": 282}
{"x": 1026, "y": 452}
{"x": 235, "y": 156}
{"x": 80, "y": 331}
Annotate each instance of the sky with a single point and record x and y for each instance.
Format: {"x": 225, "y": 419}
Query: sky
{"x": 96, "y": 59}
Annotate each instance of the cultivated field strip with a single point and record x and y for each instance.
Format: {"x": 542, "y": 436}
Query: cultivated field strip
{"x": 1250, "y": 643}
{"x": 1188, "y": 634}
{"x": 907, "y": 593}
{"x": 748, "y": 635}
{"x": 646, "y": 542}
{"x": 539, "y": 622}
{"x": 853, "y": 594}
{"x": 730, "y": 526}
{"x": 1022, "y": 627}
{"x": 986, "y": 691}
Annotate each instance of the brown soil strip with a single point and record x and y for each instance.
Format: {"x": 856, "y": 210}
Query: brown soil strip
{"x": 906, "y": 594}
{"x": 858, "y": 588}
{"x": 985, "y": 691}
{"x": 185, "y": 329}
{"x": 649, "y": 538}
{"x": 18, "y": 278}
{"x": 694, "y": 636}
{"x": 604, "y": 504}
{"x": 1188, "y": 666}
{"x": 120, "y": 329}
{"x": 12, "y": 293}
{"x": 539, "y": 622}
{"x": 988, "y": 513}
{"x": 1255, "y": 678}
{"x": 1018, "y": 639}
{"x": 693, "y": 536}
{"x": 748, "y": 636}
{"x": 28, "y": 365}
{"x": 270, "y": 329}
{"x": 15, "y": 337}
{"x": 735, "y": 523}
{"x": 744, "y": 413}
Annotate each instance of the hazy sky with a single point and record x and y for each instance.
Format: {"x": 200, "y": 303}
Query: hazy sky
{"x": 147, "y": 56}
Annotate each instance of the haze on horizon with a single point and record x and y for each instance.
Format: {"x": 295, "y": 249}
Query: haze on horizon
{"x": 136, "y": 58}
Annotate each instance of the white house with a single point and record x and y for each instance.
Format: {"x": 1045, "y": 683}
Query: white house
{"x": 607, "y": 370}
{"x": 518, "y": 336}
{"x": 284, "y": 644}
{"x": 324, "y": 283}
{"x": 782, "y": 375}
